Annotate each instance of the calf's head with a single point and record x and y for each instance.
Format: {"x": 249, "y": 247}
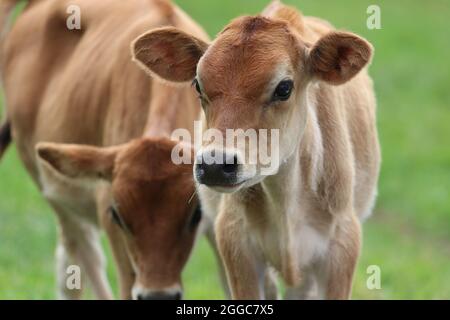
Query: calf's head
{"x": 151, "y": 205}
{"x": 253, "y": 76}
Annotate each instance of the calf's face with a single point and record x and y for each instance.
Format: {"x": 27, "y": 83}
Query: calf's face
{"x": 252, "y": 78}
{"x": 151, "y": 204}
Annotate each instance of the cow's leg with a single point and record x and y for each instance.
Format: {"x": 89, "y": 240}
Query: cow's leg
{"x": 270, "y": 285}
{"x": 208, "y": 229}
{"x": 335, "y": 271}
{"x": 94, "y": 261}
{"x": 125, "y": 271}
{"x": 270, "y": 282}
{"x": 306, "y": 290}
{"x": 80, "y": 241}
{"x": 64, "y": 259}
{"x": 67, "y": 255}
{"x": 244, "y": 267}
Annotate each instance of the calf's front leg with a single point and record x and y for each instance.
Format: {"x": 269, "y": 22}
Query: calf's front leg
{"x": 337, "y": 268}
{"x": 244, "y": 269}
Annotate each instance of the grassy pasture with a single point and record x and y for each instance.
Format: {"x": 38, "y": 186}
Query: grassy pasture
{"x": 408, "y": 236}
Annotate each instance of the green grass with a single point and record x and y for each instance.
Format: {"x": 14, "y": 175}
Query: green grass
{"x": 409, "y": 235}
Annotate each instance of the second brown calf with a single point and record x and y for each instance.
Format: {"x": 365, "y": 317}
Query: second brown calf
{"x": 93, "y": 131}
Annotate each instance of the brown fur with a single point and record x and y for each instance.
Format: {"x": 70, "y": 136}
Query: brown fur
{"x": 333, "y": 198}
{"x": 106, "y": 128}
{"x": 334, "y": 60}
{"x": 304, "y": 221}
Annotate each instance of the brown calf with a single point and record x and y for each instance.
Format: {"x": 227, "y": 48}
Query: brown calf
{"x": 297, "y": 75}
{"x": 106, "y": 159}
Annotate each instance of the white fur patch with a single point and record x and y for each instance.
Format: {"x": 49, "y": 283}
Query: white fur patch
{"x": 317, "y": 145}
{"x": 310, "y": 245}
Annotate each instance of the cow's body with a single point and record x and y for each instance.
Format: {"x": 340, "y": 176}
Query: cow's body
{"x": 302, "y": 220}
{"x": 301, "y": 77}
{"x": 81, "y": 87}
{"x": 289, "y": 220}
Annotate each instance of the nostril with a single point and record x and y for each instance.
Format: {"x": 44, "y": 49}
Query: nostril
{"x": 231, "y": 164}
{"x": 218, "y": 172}
{"x": 229, "y": 167}
{"x": 199, "y": 169}
{"x": 160, "y": 295}
{"x": 177, "y": 296}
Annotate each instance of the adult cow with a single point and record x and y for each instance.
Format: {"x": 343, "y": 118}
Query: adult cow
{"x": 93, "y": 132}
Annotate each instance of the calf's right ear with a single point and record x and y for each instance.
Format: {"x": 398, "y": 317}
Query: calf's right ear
{"x": 168, "y": 53}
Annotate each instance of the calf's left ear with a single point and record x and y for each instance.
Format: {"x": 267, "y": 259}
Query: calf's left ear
{"x": 338, "y": 56}
{"x": 78, "y": 161}
{"x": 168, "y": 53}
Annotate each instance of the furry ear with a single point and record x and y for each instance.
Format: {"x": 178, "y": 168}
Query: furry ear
{"x": 169, "y": 53}
{"x": 339, "y": 56}
{"x": 78, "y": 161}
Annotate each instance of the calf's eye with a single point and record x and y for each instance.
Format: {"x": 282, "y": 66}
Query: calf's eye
{"x": 283, "y": 90}
{"x": 115, "y": 216}
{"x": 197, "y": 86}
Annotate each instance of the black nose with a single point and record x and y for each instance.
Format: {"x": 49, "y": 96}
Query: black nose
{"x": 220, "y": 171}
{"x": 160, "y": 296}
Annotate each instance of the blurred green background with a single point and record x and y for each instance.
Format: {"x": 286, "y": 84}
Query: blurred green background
{"x": 408, "y": 236}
